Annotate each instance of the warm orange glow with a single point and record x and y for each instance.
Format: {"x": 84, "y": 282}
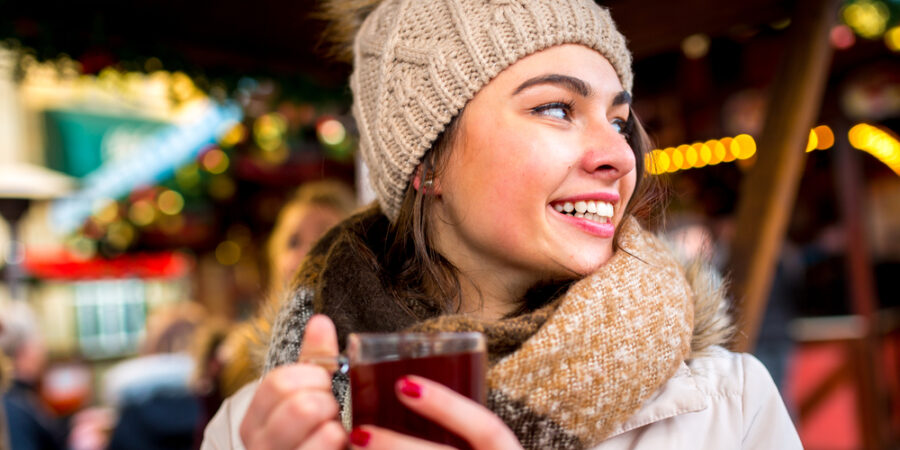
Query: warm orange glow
{"x": 825, "y": 137}
{"x": 744, "y": 146}
{"x": 234, "y": 136}
{"x": 729, "y": 149}
{"x": 813, "y": 141}
{"x": 704, "y": 154}
{"x": 690, "y": 156}
{"x": 215, "y": 161}
{"x": 718, "y": 151}
{"x": 877, "y": 142}
{"x": 659, "y": 162}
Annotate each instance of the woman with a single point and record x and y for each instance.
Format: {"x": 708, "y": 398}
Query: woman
{"x": 507, "y": 163}
{"x": 313, "y": 209}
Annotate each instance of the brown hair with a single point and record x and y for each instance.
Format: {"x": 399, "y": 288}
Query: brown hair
{"x": 419, "y": 272}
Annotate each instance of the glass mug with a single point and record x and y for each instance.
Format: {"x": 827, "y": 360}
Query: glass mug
{"x": 375, "y": 361}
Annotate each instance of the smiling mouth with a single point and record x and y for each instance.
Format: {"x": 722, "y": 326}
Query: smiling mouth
{"x": 595, "y": 211}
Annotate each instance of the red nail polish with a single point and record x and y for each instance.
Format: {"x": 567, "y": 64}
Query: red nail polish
{"x": 359, "y": 437}
{"x": 410, "y": 389}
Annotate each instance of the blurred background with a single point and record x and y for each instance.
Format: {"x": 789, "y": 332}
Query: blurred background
{"x": 151, "y": 152}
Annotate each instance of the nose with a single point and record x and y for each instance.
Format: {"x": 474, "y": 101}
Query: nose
{"x": 607, "y": 153}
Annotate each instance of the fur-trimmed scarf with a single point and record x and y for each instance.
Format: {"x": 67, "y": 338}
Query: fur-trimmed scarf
{"x": 561, "y": 376}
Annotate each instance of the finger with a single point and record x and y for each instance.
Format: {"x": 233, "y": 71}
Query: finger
{"x": 278, "y": 385}
{"x": 295, "y": 418}
{"x": 375, "y": 438}
{"x": 477, "y": 425}
{"x": 330, "y": 435}
{"x": 319, "y": 339}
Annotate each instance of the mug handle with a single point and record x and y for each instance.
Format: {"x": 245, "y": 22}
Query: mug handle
{"x": 333, "y": 364}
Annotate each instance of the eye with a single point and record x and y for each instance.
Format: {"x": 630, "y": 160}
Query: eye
{"x": 622, "y": 126}
{"x": 556, "y": 110}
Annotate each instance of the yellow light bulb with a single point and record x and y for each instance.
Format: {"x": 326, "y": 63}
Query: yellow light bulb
{"x": 825, "y": 137}
{"x": 728, "y": 145}
{"x": 746, "y": 146}
{"x": 813, "y": 141}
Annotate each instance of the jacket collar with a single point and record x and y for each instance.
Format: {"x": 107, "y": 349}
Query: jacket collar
{"x": 679, "y": 395}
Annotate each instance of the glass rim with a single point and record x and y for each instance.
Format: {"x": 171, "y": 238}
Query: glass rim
{"x": 418, "y": 336}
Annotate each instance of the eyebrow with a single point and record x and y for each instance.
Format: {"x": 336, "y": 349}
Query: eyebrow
{"x": 565, "y": 81}
{"x": 622, "y": 98}
{"x": 571, "y": 83}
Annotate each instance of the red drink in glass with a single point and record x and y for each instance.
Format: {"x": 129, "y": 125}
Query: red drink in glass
{"x": 374, "y": 398}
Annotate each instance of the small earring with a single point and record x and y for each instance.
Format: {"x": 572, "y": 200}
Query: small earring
{"x": 428, "y": 183}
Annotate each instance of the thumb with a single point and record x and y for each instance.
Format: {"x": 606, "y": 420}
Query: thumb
{"x": 319, "y": 341}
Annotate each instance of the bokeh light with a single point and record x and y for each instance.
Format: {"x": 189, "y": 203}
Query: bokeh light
{"x": 269, "y": 130}
{"x": 841, "y": 37}
{"x": 142, "y": 213}
{"x": 695, "y": 46}
{"x": 676, "y": 159}
{"x": 878, "y": 143}
{"x": 743, "y": 146}
{"x": 234, "y": 136}
{"x": 729, "y": 153}
{"x": 660, "y": 162}
{"x": 228, "y": 253}
{"x": 868, "y": 18}
{"x": 170, "y": 202}
{"x": 106, "y": 211}
{"x": 120, "y": 234}
{"x": 718, "y": 151}
{"x": 704, "y": 154}
{"x": 331, "y": 132}
{"x": 892, "y": 39}
{"x": 812, "y": 142}
{"x": 825, "y": 137}
{"x": 215, "y": 161}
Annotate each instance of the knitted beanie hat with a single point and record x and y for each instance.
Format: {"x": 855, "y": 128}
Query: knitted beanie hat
{"x": 418, "y": 62}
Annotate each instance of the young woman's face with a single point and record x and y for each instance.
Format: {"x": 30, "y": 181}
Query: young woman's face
{"x": 546, "y": 136}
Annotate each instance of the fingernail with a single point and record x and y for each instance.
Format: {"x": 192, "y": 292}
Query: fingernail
{"x": 360, "y": 437}
{"x": 410, "y": 389}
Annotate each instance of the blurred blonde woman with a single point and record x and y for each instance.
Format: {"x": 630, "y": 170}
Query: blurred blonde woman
{"x": 308, "y": 214}
{"x": 231, "y": 356}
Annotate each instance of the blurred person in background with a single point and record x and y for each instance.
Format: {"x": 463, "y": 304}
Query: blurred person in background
{"x": 152, "y": 393}
{"x": 311, "y": 211}
{"x": 226, "y": 362}
{"x": 32, "y": 424}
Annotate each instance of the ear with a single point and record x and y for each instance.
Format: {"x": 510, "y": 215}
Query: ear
{"x": 430, "y": 185}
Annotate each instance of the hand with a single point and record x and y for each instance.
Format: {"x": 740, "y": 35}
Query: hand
{"x": 474, "y": 423}
{"x": 91, "y": 428}
{"x": 294, "y": 406}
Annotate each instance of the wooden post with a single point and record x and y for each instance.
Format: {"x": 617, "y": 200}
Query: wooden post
{"x": 769, "y": 190}
{"x": 870, "y": 382}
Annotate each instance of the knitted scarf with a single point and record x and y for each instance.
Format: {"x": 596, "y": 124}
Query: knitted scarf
{"x": 561, "y": 376}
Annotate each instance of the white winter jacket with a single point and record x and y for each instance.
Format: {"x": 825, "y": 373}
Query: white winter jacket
{"x": 721, "y": 400}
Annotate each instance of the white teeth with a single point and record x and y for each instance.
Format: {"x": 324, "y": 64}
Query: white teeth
{"x": 605, "y": 209}
{"x": 596, "y": 211}
{"x": 581, "y": 206}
